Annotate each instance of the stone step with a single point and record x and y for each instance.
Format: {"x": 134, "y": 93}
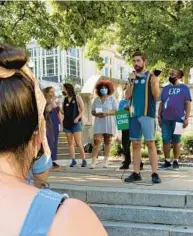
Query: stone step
{"x": 66, "y": 156}
{"x": 127, "y": 196}
{"x": 144, "y": 214}
{"x": 64, "y": 149}
{"x": 137, "y": 229}
{"x": 62, "y": 144}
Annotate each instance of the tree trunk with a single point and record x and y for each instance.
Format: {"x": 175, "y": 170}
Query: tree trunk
{"x": 186, "y": 75}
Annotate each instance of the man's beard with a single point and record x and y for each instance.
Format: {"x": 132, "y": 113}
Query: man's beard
{"x": 139, "y": 69}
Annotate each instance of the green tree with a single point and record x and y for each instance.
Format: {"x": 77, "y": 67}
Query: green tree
{"x": 20, "y": 21}
{"x": 160, "y": 29}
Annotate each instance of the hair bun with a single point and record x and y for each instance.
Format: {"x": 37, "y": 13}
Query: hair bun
{"x": 11, "y": 58}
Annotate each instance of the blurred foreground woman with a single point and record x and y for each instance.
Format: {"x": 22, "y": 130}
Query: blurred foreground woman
{"x": 26, "y": 210}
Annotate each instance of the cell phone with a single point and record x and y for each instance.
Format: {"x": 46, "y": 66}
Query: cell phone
{"x": 157, "y": 72}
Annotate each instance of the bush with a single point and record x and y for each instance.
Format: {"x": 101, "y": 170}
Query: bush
{"x": 187, "y": 142}
{"x": 144, "y": 152}
{"x": 158, "y": 141}
{"x": 116, "y": 149}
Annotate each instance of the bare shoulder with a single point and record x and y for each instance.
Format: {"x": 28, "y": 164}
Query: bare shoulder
{"x": 71, "y": 219}
{"x": 78, "y": 97}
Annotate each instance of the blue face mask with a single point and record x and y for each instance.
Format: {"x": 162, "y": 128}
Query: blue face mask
{"x": 104, "y": 91}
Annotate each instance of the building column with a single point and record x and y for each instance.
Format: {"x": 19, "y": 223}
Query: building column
{"x": 59, "y": 64}
{"x": 38, "y": 62}
{"x": 41, "y": 64}
{"x": 81, "y": 64}
{"x": 64, "y": 64}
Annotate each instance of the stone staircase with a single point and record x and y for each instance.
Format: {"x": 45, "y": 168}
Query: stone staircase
{"x": 63, "y": 152}
{"x": 138, "y": 212}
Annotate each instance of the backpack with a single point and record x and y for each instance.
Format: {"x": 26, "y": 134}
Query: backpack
{"x": 88, "y": 148}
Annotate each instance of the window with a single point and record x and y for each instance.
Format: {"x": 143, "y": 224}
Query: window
{"x": 73, "y": 52}
{"x": 111, "y": 73}
{"x": 49, "y": 52}
{"x": 106, "y": 72}
{"x": 30, "y": 52}
{"x": 73, "y": 67}
{"x": 44, "y": 66}
{"x": 121, "y": 72}
{"x": 34, "y": 59}
{"x": 50, "y": 62}
{"x": 106, "y": 59}
{"x": 50, "y": 66}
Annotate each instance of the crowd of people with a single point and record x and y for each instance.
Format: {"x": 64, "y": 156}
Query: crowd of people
{"x": 141, "y": 93}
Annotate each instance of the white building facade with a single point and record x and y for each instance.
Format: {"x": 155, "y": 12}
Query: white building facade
{"x": 51, "y": 67}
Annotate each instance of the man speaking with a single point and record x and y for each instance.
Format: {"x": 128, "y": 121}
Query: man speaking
{"x": 143, "y": 92}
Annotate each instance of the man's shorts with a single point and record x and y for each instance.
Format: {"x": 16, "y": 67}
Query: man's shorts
{"x": 168, "y": 127}
{"x": 142, "y": 125}
{"x": 75, "y": 128}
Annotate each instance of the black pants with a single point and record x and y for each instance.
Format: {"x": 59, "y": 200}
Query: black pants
{"x": 126, "y": 147}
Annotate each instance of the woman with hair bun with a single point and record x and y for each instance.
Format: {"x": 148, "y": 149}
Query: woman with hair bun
{"x": 25, "y": 209}
{"x": 103, "y": 109}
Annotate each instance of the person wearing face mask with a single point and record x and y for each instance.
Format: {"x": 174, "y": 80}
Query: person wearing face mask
{"x": 175, "y": 106}
{"x": 103, "y": 109}
{"x": 143, "y": 91}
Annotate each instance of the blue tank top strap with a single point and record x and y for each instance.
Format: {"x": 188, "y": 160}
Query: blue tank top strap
{"x": 41, "y": 213}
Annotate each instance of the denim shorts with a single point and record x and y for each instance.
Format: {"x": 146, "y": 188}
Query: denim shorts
{"x": 75, "y": 128}
{"x": 168, "y": 127}
{"x": 142, "y": 125}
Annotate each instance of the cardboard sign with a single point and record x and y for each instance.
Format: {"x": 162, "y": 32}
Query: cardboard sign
{"x": 122, "y": 119}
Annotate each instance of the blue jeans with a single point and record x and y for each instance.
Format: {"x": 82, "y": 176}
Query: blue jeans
{"x": 168, "y": 127}
{"x": 142, "y": 125}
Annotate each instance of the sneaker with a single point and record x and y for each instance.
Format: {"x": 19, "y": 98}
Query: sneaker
{"x": 133, "y": 177}
{"x": 124, "y": 167}
{"x": 105, "y": 164}
{"x": 166, "y": 165}
{"x": 93, "y": 165}
{"x": 141, "y": 165}
{"x": 155, "y": 178}
{"x": 55, "y": 165}
{"x": 84, "y": 163}
{"x": 73, "y": 163}
{"x": 175, "y": 165}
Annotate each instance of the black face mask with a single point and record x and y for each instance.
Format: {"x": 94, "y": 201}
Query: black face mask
{"x": 172, "y": 80}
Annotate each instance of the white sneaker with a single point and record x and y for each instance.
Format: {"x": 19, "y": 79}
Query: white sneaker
{"x": 93, "y": 165}
{"x": 105, "y": 163}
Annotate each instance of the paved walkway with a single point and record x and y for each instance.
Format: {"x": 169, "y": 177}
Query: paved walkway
{"x": 112, "y": 177}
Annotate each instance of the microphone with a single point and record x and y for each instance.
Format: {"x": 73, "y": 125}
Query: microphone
{"x": 132, "y": 77}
